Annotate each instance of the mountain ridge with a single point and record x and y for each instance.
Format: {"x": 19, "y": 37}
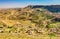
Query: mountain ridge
{"x": 51, "y": 8}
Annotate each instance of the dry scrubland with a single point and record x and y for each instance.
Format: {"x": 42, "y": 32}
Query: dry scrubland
{"x": 27, "y": 23}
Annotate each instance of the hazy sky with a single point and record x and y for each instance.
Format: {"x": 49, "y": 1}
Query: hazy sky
{"x": 23, "y": 3}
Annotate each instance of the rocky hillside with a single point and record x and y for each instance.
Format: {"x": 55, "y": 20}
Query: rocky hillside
{"x": 29, "y": 21}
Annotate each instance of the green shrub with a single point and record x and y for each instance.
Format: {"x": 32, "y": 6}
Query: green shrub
{"x": 54, "y": 25}
{"x": 52, "y": 34}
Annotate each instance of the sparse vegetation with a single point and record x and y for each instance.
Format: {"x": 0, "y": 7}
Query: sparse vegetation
{"x": 28, "y": 22}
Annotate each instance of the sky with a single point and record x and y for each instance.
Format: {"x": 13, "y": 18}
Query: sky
{"x": 24, "y": 3}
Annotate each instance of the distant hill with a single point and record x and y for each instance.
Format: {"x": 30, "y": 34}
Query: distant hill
{"x": 51, "y": 8}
